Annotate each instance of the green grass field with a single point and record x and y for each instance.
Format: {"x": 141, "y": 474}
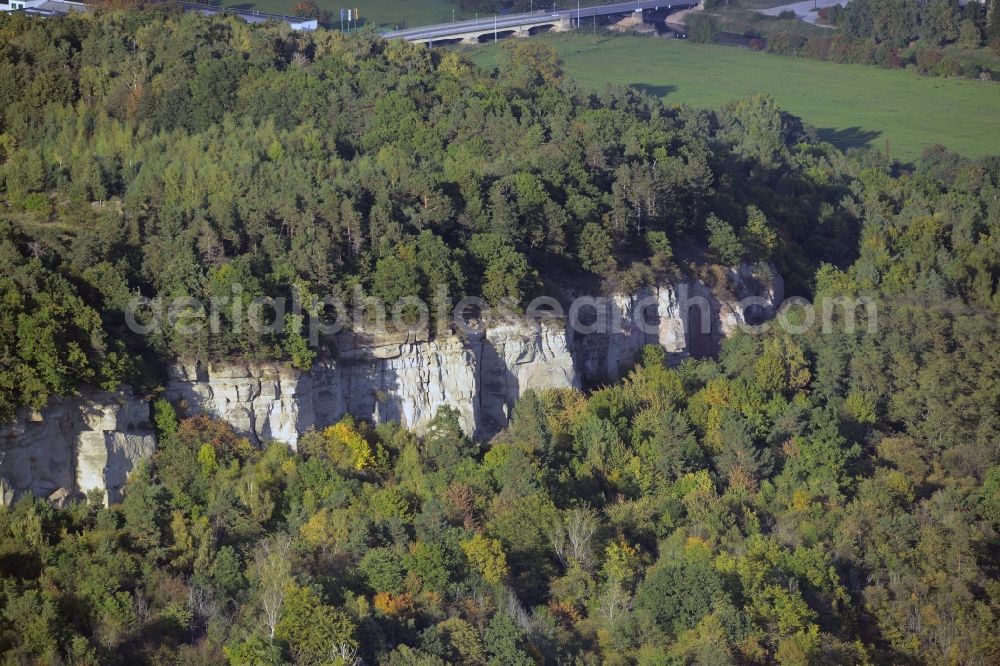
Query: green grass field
{"x": 851, "y": 104}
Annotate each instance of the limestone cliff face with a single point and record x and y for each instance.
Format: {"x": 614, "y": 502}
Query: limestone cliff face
{"x": 407, "y": 378}
{"x": 93, "y": 441}
{"x": 75, "y": 445}
{"x": 686, "y": 318}
{"x": 261, "y": 399}
{"x": 512, "y": 358}
{"x": 402, "y": 378}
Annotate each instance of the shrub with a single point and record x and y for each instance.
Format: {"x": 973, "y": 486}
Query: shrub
{"x": 818, "y": 48}
{"x": 703, "y": 29}
{"x": 862, "y": 52}
{"x": 971, "y": 70}
{"x": 887, "y": 56}
{"x": 839, "y": 47}
{"x": 948, "y": 66}
{"x": 927, "y": 60}
{"x": 40, "y": 204}
{"x": 786, "y": 44}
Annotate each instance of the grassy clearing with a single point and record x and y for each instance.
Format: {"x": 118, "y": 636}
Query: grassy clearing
{"x": 851, "y": 104}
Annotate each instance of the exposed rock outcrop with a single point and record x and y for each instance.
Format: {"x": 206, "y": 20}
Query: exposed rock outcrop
{"x": 404, "y": 378}
{"x": 408, "y": 377}
{"x": 95, "y": 440}
{"x": 512, "y": 358}
{"x": 687, "y": 318}
{"x": 76, "y": 445}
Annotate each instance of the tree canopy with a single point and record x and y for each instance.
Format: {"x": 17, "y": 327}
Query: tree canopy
{"x": 829, "y": 497}
{"x": 167, "y": 154}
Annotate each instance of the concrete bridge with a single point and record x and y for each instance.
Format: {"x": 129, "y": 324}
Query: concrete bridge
{"x": 527, "y": 24}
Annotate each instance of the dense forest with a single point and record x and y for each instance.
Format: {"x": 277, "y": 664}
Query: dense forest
{"x": 825, "y": 498}
{"x": 166, "y": 154}
{"x": 936, "y": 37}
{"x": 936, "y": 23}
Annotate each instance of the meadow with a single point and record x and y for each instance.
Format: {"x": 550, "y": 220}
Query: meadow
{"x": 851, "y": 105}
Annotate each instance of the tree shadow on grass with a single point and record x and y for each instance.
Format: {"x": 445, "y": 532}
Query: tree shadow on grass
{"x": 654, "y": 90}
{"x": 849, "y": 137}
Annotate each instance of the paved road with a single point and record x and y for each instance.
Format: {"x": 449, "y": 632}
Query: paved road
{"x": 804, "y": 10}
{"x": 446, "y": 30}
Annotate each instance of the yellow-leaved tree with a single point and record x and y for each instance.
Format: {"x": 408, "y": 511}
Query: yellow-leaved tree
{"x": 347, "y": 447}
{"x": 487, "y": 557}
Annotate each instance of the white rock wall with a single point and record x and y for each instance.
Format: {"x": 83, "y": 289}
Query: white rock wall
{"x": 94, "y": 442}
{"x": 686, "y": 318}
{"x": 76, "y": 445}
{"x": 512, "y": 358}
{"x": 385, "y": 378}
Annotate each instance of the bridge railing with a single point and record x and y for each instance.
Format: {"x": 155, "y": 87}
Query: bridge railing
{"x": 562, "y": 11}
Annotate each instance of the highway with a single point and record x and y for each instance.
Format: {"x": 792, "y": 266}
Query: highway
{"x": 541, "y": 17}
